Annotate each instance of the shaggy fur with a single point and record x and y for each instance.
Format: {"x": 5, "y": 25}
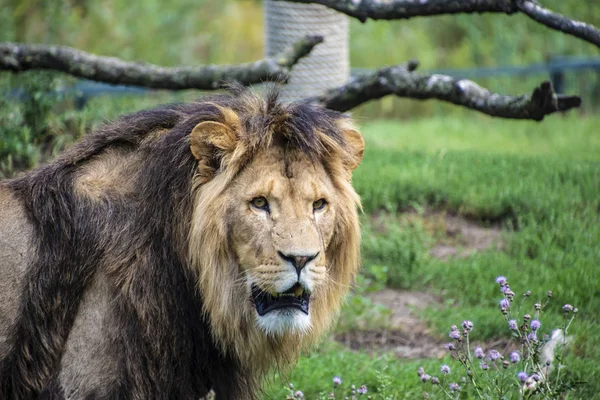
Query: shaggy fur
{"x": 128, "y": 214}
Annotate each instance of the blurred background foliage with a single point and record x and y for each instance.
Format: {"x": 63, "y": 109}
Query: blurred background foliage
{"x": 187, "y": 32}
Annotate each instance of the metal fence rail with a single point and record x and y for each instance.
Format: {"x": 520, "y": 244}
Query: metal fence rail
{"x": 556, "y": 67}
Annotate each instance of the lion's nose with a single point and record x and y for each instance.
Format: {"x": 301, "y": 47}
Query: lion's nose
{"x": 298, "y": 261}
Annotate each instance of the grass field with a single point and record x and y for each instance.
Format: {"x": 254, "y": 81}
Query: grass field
{"x": 541, "y": 182}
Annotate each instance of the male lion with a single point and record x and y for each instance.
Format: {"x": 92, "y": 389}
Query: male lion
{"x": 178, "y": 250}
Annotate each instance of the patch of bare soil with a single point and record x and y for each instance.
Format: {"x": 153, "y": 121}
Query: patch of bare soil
{"x": 406, "y": 336}
{"x": 454, "y": 235}
{"x": 462, "y": 237}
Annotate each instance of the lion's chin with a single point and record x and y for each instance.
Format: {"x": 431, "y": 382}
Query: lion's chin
{"x": 284, "y": 313}
{"x": 284, "y": 321}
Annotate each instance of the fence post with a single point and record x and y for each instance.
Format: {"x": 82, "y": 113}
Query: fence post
{"x": 327, "y": 66}
{"x": 557, "y": 75}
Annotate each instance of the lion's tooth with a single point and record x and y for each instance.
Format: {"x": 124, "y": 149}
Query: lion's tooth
{"x": 298, "y": 291}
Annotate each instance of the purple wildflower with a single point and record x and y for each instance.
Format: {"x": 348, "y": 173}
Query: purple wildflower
{"x": 425, "y": 377}
{"x": 467, "y": 325}
{"x": 515, "y": 357}
{"x": 532, "y": 337}
{"x": 522, "y": 376}
{"x": 504, "y": 304}
{"x": 535, "y": 325}
{"x": 362, "y": 390}
{"x": 501, "y": 280}
{"x": 484, "y": 366}
{"x": 298, "y": 395}
{"x": 478, "y": 353}
{"x": 435, "y": 380}
{"x": 454, "y": 335}
{"x": 337, "y": 381}
{"x": 450, "y": 346}
{"x": 512, "y": 325}
{"x": 421, "y": 371}
{"x": 507, "y": 292}
{"x": 445, "y": 369}
{"x": 454, "y": 387}
{"x": 567, "y": 308}
{"x": 493, "y": 355}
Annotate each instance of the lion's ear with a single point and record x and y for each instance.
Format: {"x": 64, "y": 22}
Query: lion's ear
{"x": 211, "y": 134}
{"x": 212, "y": 144}
{"x": 356, "y": 146}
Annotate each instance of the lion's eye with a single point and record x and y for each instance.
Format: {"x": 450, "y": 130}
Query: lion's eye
{"x": 260, "y": 202}
{"x": 319, "y": 204}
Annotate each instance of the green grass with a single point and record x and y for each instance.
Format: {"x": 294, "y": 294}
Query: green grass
{"x": 379, "y": 372}
{"x": 566, "y": 137}
{"x": 540, "y": 181}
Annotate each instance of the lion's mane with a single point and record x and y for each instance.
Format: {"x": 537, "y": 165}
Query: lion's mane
{"x": 175, "y": 335}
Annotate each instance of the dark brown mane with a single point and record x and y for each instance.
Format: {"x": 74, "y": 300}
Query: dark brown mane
{"x": 264, "y": 120}
{"x": 139, "y": 241}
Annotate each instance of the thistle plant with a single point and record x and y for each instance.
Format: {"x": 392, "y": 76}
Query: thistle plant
{"x": 531, "y": 371}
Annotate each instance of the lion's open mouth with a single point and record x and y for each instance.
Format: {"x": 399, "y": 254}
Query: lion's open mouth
{"x": 294, "y": 297}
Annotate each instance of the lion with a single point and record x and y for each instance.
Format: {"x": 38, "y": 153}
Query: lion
{"x": 177, "y": 251}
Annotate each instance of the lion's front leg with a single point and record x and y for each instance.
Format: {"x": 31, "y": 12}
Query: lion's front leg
{"x": 15, "y": 253}
{"x": 89, "y": 367}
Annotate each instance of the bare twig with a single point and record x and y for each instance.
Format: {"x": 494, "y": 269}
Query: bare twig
{"x": 403, "y": 9}
{"x": 402, "y": 81}
{"x": 21, "y": 57}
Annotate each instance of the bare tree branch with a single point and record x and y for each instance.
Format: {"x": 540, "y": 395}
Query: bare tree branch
{"x": 402, "y": 81}
{"x": 404, "y": 9}
{"x": 21, "y": 57}
{"x": 559, "y": 22}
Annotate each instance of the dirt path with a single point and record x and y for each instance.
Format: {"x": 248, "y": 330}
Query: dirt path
{"x": 461, "y": 237}
{"x": 407, "y": 336}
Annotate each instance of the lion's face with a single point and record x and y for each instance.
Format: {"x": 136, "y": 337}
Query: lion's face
{"x": 281, "y": 218}
{"x": 274, "y": 236}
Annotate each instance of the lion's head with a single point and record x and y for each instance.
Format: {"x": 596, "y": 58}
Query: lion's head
{"x": 274, "y": 234}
